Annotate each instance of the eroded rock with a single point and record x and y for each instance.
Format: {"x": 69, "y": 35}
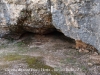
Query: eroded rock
{"x": 78, "y": 19}
{"x": 32, "y": 16}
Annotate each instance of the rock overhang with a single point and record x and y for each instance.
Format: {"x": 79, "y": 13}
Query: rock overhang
{"x": 78, "y": 19}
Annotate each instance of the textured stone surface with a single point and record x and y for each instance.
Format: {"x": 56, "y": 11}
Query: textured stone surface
{"x": 78, "y": 19}
{"x": 31, "y": 15}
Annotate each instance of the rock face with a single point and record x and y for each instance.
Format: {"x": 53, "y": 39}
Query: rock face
{"x": 78, "y": 19}
{"x": 30, "y": 15}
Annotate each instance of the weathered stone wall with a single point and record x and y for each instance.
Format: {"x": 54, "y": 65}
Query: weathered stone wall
{"x": 78, "y": 19}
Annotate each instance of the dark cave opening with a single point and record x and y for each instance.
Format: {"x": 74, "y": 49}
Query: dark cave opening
{"x": 55, "y": 34}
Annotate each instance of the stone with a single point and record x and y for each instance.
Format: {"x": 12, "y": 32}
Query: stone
{"x": 77, "y": 19}
{"x": 90, "y": 64}
{"x": 95, "y": 59}
{"x": 83, "y": 47}
{"x": 83, "y": 51}
{"x": 95, "y": 53}
{"x": 32, "y": 16}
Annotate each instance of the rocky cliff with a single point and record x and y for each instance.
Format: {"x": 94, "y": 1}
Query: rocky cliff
{"x": 78, "y": 19}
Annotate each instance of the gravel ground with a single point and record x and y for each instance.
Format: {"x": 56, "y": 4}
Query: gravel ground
{"x": 34, "y": 54}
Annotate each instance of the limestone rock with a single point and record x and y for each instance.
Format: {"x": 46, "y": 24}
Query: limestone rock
{"x": 77, "y": 19}
{"x": 26, "y": 15}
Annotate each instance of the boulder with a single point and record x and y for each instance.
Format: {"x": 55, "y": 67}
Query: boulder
{"x": 77, "y": 19}
{"x": 25, "y": 15}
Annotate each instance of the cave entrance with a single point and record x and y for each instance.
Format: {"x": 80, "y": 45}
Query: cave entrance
{"x": 56, "y": 38}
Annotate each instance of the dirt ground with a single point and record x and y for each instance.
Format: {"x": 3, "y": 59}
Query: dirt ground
{"x": 51, "y": 54}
